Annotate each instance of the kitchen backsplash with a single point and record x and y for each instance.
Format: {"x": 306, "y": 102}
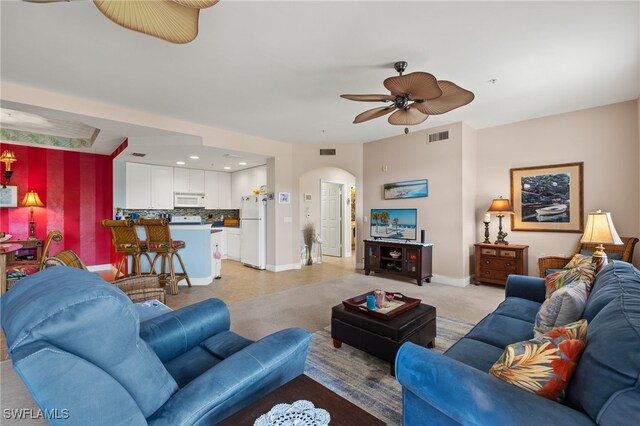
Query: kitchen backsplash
{"x": 206, "y": 214}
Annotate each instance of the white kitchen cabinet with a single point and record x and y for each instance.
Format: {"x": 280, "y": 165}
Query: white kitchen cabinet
{"x": 224, "y": 190}
{"x": 148, "y": 187}
{"x": 233, "y": 243}
{"x": 188, "y": 180}
{"x": 222, "y": 242}
{"x": 161, "y": 184}
{"x": 245, "y": 181}
{"x": 211, "y": 190}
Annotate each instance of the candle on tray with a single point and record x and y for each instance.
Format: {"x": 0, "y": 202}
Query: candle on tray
{"x": 487, "y": 217}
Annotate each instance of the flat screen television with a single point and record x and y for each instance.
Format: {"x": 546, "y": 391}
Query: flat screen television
{"x": 394, "y": 223}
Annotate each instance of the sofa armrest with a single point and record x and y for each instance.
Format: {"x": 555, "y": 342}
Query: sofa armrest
{"x": 140, "y": 288}
{"x": 237, "y": 381}
{"x": 174, "y": 333}
{"x": 469, "y": 396}
{"x": 525, "y": 287}
{"x": 551, "y": 262}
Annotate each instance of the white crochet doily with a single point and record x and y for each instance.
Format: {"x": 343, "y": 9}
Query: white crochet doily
{"x": 300, "y": 413}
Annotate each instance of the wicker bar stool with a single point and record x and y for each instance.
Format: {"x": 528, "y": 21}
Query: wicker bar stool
{"x": 125, "y": 240}
{"x": 159, "y": 241}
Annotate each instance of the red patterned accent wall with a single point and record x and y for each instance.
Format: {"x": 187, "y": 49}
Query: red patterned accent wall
{"x": 77, "y": 190}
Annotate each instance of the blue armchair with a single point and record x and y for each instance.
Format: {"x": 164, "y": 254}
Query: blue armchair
{"x": 78, "y": 345}
{"x": 454, "y": 388}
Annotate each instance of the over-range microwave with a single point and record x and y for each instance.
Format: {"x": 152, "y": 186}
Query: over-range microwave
{"x": 183, "y": 199}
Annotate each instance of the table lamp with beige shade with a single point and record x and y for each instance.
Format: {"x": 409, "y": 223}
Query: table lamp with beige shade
{"x": 31, "y": 199}
{"x": 600, "y": 230}
{"x": 500, "y": 206}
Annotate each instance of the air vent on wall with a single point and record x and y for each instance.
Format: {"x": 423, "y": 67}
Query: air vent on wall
{"x": 138, "y": 154}
{"x": 331, "y": 151}
{"x": 440, "y": 136}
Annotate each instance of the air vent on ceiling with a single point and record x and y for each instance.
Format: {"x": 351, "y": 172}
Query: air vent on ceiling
{"x": 328, "y": 151}
{"x": 440, "y": 136}
{"x": 138, "y": 154}
{"x": 232, "y": 156}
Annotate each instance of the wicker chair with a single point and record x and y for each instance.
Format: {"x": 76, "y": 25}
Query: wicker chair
{"x": 125, "y": 241}
{"x": 137, "y": 288}
{"x": 557, "y": 262}
{"x": 159, "y": 241}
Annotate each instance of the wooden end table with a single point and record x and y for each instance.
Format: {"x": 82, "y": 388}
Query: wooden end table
{"x": 342, "y": 411}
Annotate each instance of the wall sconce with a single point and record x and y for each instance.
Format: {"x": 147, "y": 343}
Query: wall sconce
{"x": 32, "y": 200}
{"x": 7, "y": 158}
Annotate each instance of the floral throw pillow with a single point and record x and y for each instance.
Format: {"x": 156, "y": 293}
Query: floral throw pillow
{"x": 543, "y": 365}
{"x": 553, "y": 282}
{"x": 578, "y": 260}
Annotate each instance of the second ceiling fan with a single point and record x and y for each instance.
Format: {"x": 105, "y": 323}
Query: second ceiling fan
{"x": 414, "y": 97}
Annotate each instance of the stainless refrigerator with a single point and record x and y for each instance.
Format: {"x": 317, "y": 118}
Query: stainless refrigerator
{"x": 253, "y": 231}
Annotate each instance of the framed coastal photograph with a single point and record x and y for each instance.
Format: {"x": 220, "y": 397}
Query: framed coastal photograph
{"x": 548, "y": 198}
{"x": 9, "y": 196}
{"x": 408, "y": 189}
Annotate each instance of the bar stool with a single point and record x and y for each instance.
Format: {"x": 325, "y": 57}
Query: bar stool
{"x": 159, "y": 241}
{"x": 125, "y": 240}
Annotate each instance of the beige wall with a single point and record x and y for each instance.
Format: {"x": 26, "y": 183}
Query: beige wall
{"x": 307, "y": 158}
{"x": 604, "y": 138}
{"x": 409, "y": 157}
{"x": 469, "y": 212}
{"x": 310, "y": 183}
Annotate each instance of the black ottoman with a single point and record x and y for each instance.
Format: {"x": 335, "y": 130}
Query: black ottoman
{"x": 382, "y": 338}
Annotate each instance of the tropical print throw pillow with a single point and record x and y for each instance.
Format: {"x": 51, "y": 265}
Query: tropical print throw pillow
{"x": 543, "y": 365}
{"x": 553, "y": 282}
{"x": 578, "y": 260}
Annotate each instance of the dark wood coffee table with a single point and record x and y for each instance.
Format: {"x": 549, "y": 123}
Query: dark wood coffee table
{"x": 342, "y": 411}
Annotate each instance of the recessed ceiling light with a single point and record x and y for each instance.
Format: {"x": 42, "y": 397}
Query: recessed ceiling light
{"x": 194, "y": 157}
{"x": 180, "y": 163}
{"x": 242, "y": 163}
{"x": 227, "y": 168}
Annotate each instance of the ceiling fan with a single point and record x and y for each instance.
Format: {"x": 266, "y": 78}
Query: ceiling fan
{"x": 414, "y": 97}
{"x": 175, "y": 21}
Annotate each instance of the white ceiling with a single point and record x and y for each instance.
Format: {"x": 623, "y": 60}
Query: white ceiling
{"x": 276, "y": 69}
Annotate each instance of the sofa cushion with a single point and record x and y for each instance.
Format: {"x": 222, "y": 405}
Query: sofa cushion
{"x": 558, "y": 280}
{"x": 605, "y": 384}
{"x": 563, "y": 307}
{"x": 225, "y": 344}
{"x": 499, "y": 330}
{"x": 191, "y": 365}
{"x": 474, "y": 353}
{"x": 516, "y": 307}
{"x": 545, "y": 364}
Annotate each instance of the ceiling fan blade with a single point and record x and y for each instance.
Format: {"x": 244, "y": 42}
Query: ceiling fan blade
{"x": 196, "y": 4}
{"x": 407, "y": 117}
{"x": 420, "y": 85}
{"x": 453, "y": 96}
{"x": 369, "y": 98}
{"x": 164, "y": 19}
{"x": 373, "y": 113}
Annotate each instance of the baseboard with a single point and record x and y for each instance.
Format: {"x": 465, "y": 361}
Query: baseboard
{"x": 456, "y": 282}
{"x": 105, "y": 267}
{"x": 280, "y": 268}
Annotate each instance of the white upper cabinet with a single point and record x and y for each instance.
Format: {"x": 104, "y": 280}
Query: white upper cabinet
{"x": 245, "y": 181}
{"x": 148, "y": 187}
{"x": 188, "y": 180}
{"x": 217, "y": 190}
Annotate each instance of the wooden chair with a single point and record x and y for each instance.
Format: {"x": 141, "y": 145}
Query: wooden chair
{"x": 125, "y": 241}
{"x": 625, "y": 251}
{"x": 159, "y": 241}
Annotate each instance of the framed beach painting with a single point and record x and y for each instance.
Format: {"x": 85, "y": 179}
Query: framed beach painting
{"x": 9, "y": 196}
{"x": 547, "y": 198}
{"x": 408, "y": 189}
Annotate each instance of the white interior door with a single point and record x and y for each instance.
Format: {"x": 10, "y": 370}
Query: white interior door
{"x": 331, "y": 218}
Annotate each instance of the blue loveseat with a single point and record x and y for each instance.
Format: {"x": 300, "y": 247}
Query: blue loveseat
{"x": 78, "y": 345}
{"x": 455, "y": 388}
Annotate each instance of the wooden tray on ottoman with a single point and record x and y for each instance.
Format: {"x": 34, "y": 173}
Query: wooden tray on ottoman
{"x": 359, "y": 303}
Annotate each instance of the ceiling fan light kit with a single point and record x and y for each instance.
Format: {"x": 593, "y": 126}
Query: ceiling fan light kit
{"x": 414, "y": 97}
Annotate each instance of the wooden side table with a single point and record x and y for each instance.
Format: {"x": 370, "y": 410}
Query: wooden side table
{"x": 494, "y": 262}
{"x": 6, "y": 250}
{"x": 31, "y": 248}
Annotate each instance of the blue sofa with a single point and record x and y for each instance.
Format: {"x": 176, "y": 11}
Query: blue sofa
{"x": 78, "y": 345}
{"x": 455, "y": 388}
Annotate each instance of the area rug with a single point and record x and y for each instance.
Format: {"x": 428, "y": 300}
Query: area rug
{"x": 364, "y": 379}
